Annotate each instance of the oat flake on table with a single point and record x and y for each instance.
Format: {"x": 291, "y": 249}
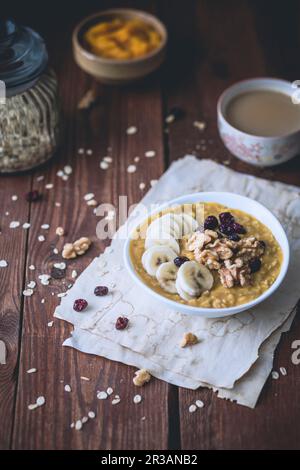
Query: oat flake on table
{"x": 235, "y": 354}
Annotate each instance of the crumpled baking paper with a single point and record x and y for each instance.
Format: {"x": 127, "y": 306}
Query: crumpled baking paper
{"x": 235, "y": 354}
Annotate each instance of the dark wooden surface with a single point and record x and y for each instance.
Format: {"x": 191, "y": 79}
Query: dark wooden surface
{"x": 212, "y": 44}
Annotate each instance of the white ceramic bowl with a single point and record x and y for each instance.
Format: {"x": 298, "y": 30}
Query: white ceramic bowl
{"x": 233, "y": 201}
{"x": 257, "y": 150}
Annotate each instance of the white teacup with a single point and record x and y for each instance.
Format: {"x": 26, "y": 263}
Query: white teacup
{"x": 257, "y": 150}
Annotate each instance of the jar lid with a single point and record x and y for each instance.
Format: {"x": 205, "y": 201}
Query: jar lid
{"x": 23, "y": 54}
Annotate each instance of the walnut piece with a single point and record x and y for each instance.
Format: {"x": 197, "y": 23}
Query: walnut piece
{"x": 79, "y": 247}
{"x": 235, "y": 274}
{"x": 199, "y": 239}
{"x": 188, "y": 340}
{"x": 142, "y": 376}
{"x": 60, "y": 231}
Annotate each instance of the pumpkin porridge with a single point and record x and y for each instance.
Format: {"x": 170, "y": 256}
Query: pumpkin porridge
{"x": 206, "y": 255}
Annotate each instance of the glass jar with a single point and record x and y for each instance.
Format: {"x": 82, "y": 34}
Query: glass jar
{"x": 29, "y": 115}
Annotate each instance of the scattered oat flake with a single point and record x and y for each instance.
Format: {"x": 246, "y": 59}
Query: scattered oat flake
{"x": 33, "y": 406}
{"x": 91, "y": 414}
{"x": 131, "y": 130}
{"x": 131, "y": 168}
{"x": 92, "y": 202}
{"x": 89, "y": 151}
{"x": 142, "y": 186}
{"x": 45, "y": 226}
{"x": 136, "y": 159}
{"x": 102, "y": 395}
{"x": 45, "y": 279}
{"x": 31, "y": 371}
{"x": 40, "y": 178}
{"x": 192, "y": 408}
{"x": 116, "y": 400}
{"x": 68, "y": 388}
{"x": 78, "y": 425}
{"x": 61, "y": 294}
{"x": 107, "y": 159}
{"x": 42, "y": 301}
{"x": 88, "y": 196}
{"x": 57, "y": 204}
{"x": 60, "y": 265}
{"x": 137, "y": 399}
{"x": 3, "y": 263}
{"x": 85, "y": 419}
{"x": 60, "y": 173}
{"x": 27, "y": 292}
{"x": 31, "y": 284}
{"x": 31, "y": 267}
{"x": 201, "y": 125}
{"x": 199, "y": 403}
{"x": 55, "y": 251}
{"x": 80, "y": 151}
{"x": 40, "y": 401}
{"x": 74, "y": 274}
{"x": 41, "y": 238}
{"x": 49, "y": 186}
{"x": 109, "y": 391}
{"x": 14, "y": 224}
{"x": 26, "y": 225}
{"x": 104, "y": 165}
{"x": 275, "y": 375}
{"x": 50, "y": 324}
{"x": 153, "y": 183}
{"x": 14, "y": 197}
{"x": 84, "y": 378}
{"x": 150, "y": 153}
{"x": 72, "y": 425}
{"x": 68, "y": 170}
{"x": 283, "y": 371}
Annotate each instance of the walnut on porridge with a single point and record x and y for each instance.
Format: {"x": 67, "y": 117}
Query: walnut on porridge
{"x": 234, "y": 259}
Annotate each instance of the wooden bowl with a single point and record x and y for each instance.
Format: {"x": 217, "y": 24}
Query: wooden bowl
{"x": 117, "y": 71}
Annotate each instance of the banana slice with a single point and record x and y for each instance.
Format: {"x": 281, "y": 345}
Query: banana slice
{"x": 166, "y": 240}
{"x": 194, "y": 278}
{"x": 166, "y": 276}
{"x": 155, "y": 256}
{"x": 181, "y": 292}
{"x": 167, "y": 224}
{"x": 187, "y": 223}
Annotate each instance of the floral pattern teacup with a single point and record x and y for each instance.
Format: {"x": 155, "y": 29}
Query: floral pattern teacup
{"x": 257, "y": 150}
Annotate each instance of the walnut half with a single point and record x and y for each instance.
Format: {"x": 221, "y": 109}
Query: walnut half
{"x": 142, "y": 376}
{"x": 79, "y": 247}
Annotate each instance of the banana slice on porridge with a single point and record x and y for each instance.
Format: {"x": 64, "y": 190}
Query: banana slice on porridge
{"x": 166, "y": 276}
{"x": 193, "y": 279}
{"x": 166, "y": 240}
{"x": 167, "y": 224}
{"x": 155, "y": 256}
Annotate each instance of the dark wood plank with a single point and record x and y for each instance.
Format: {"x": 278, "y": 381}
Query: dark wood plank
{"x": 116, "y": 427}
{"x": 13, "y": 250}
{"x": 213, "y": 45}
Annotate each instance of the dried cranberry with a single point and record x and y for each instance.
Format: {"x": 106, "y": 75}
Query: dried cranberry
{"x": 226, "y": 218}
{"x": 101, "y": 290}
{"x": 33, "y": 196}
{"x": 57, "y": 273}
{"x": 180, "y": 260}
{"x": 238, "y": 228}
{"x": 211, "y": 222}
{"x": 234, "y": 237}
{"x": 79, "y": 305}
{"x": 254, "y": 265}
{"x": 226, "y": 229}
{"x": 121, "y": 323}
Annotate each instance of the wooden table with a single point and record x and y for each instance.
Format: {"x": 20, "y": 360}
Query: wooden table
{"x": 212, "y": 44}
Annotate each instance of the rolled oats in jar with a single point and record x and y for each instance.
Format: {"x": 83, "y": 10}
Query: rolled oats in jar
{"x": 29, "y": 109}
